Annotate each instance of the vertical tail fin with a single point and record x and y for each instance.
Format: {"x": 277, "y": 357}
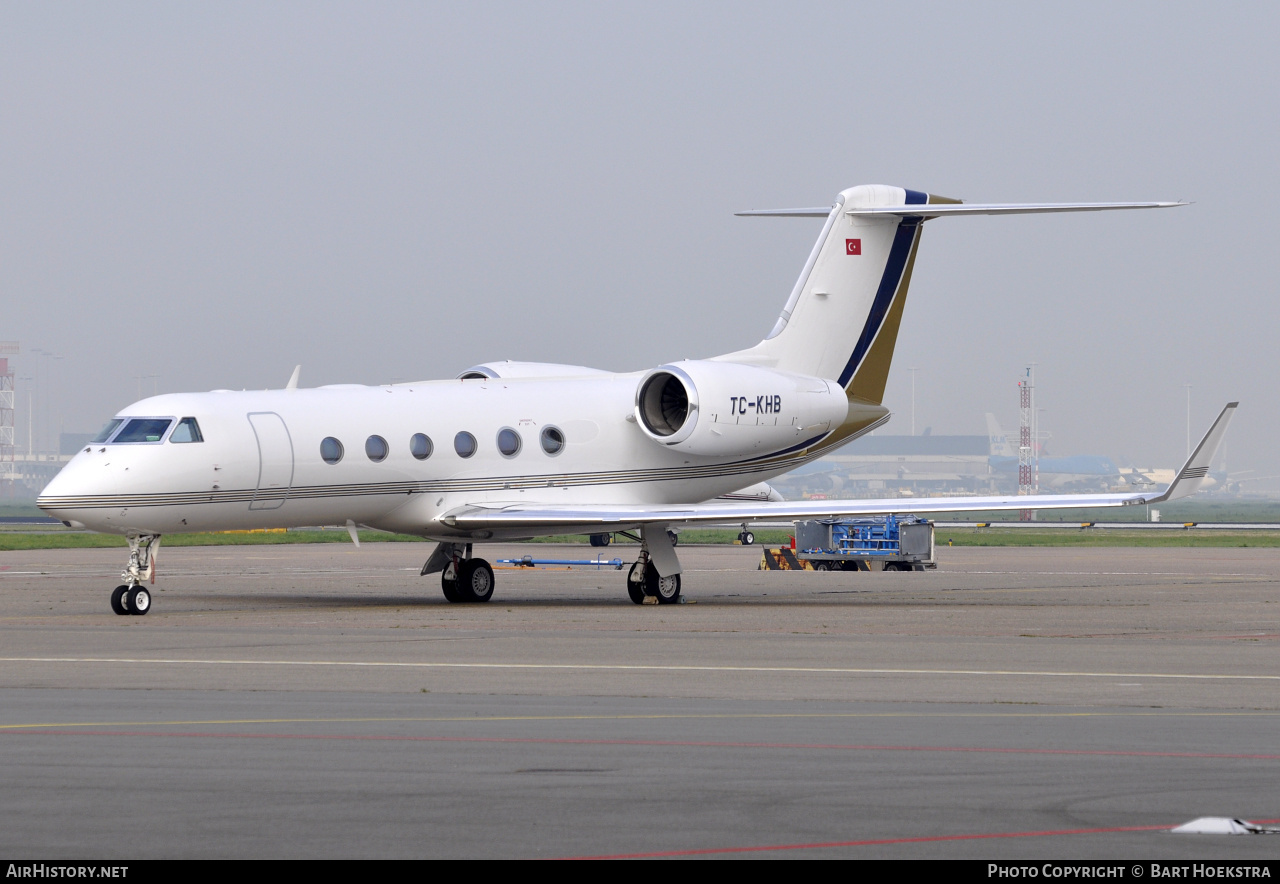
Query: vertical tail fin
{"x": 841, "y": 321}
{"x": 842, "y": 318}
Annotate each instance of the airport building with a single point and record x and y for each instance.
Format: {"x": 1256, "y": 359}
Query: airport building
{"x": 914, "y": 466}
{"x": 893, "y": 466}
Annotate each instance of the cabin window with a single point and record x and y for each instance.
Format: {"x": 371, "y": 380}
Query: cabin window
{"x": 105, "y": 433}
{"x": 465, "y": 444}
{"x": 330, "y": 450}
{"x": 552, "y": 440}
{"x": 377, "y": 449}
{"x": 509, "y": 442}
{"x": 186, "y": 431}
{"x": 143, "y": 429}
{"x": 420, "y": 446}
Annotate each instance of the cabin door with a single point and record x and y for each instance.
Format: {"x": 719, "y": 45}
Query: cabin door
{"x": 275, "y": 460}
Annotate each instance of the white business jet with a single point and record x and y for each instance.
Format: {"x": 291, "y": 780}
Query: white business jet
{"x": 514, "y": 450}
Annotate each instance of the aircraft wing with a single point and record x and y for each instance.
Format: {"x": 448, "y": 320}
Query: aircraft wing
{"x": 588, "y": 517}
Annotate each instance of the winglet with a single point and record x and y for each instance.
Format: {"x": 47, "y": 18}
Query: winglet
{"x": 1193, "y": 472}
{"x": 293, "y": 378}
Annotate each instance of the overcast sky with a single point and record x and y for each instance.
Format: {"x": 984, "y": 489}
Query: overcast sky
{"x": 212, "y": 193}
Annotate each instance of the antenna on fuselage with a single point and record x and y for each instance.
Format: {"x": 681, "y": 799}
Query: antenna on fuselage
{"x": 293, "y": 378}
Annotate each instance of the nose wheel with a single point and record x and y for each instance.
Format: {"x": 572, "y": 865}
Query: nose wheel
{"x": 130, "y": 600}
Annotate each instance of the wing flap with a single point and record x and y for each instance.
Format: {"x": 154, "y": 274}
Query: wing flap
{"x": 619, "y": 517}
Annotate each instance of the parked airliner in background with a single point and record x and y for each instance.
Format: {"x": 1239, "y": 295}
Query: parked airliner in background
{"x": 513, "y": 450}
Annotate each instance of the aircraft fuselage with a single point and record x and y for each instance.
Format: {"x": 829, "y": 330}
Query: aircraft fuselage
{"x": 261, "y": 464}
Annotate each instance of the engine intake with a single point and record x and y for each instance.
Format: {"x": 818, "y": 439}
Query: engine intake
{"x": 664, "y": 406}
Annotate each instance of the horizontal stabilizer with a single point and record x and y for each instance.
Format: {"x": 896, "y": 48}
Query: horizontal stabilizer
{"x": 821, "y": 212}
{"x": 935, "y": 210}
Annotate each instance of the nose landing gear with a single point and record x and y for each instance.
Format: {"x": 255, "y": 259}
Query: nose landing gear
{"x": 131, "y": 597}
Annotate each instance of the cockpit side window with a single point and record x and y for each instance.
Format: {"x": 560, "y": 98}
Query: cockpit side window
{"x": 143, "y": 429}
{"x": 105, "y": 433}
{"x": 187, "y": 431}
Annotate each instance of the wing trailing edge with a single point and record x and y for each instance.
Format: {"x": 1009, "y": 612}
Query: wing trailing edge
{"x": 585, "y": 518}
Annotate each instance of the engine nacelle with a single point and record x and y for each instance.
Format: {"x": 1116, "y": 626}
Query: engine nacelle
{"x": 727, "y": 409}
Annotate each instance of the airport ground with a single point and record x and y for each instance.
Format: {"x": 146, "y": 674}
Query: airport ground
{"x": 325, "y": 701}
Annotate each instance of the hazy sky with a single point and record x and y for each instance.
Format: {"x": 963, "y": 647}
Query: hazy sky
{"x": 210, "y": 194}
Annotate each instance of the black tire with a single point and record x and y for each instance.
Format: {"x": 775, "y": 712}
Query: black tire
{"x": 748, "y": 539}
{"x": 449, "y": 585}
{"x": 667, "y": 589}
{"x": 117, "y": 600}
{"x": 635, "y": 588}
{"x": 475, "y": 581}
{"x": 138, "y": 600}
{"x": 601, "y": 539}
{"x": 821, "y": 566}
{"x": 675, "y": 538}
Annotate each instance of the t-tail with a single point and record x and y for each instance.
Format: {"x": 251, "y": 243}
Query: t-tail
{"x": 841, "y": 321}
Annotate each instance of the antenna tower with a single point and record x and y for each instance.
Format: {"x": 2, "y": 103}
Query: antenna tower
{"x": 1028, "y": 480}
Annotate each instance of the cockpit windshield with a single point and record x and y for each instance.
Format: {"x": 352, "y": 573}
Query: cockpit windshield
{"x": 143, "y": 429}
{"x": 187, "y": 431}
{"x": 105, "y": 433}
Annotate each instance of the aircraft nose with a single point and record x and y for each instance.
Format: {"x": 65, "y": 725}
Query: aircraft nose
{"x": 71, "y": 493}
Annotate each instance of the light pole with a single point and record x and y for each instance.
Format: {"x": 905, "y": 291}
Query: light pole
{"x": 30, "y": 422}
{"x": 35, "y": 386}
{"x": 55, "y": 405}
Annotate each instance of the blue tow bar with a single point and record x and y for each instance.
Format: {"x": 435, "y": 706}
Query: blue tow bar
{"x": 531, "y": 562}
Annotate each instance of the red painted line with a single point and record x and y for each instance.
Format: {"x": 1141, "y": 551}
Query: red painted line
{"x": 820, "y": 845}
{"x": 695, "y": 744}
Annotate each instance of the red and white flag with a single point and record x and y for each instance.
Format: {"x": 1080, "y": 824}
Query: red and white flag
{"x": 853, "y": 247}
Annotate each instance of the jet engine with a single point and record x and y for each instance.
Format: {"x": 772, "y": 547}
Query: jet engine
{"x": 728, "y": 409}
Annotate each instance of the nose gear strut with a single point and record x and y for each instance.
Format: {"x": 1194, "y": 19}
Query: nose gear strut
{"x": 131, "y": 597}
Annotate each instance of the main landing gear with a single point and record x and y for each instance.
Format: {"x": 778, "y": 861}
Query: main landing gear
{"x": 645, "y": 586}
{"x": 132, "y": 597}
{"x": 467, "y": 580}
{"x": 654, "y": 579}
{"x": 462, "y": 578}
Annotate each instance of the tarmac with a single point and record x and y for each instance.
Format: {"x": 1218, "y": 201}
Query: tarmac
{"x": 325, "y": 701}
